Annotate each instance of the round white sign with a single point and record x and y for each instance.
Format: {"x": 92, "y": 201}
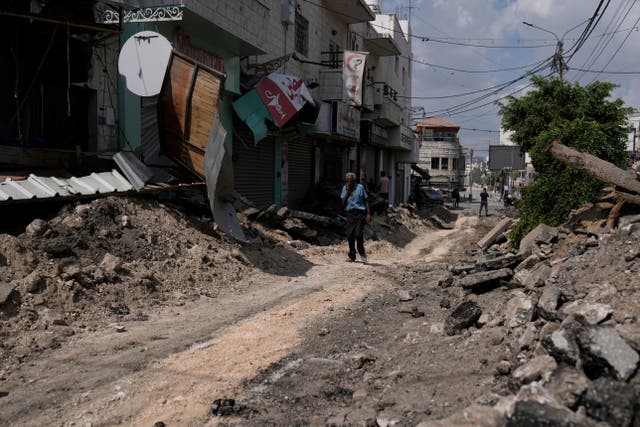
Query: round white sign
{"x": 143, "y": 62}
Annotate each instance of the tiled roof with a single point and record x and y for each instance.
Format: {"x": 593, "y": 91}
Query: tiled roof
{"x": 435, "y": 122}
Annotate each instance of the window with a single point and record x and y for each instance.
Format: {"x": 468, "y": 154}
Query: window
{"x": 404, "y": 77}
{"x": 302, "y": 35}
{"x": 454, "y": 165}
{"x": 353, "y": 41}
{"x": 444, "y": 165}
{"x": 435, "y": 163}
{"x": 397, "y": 65}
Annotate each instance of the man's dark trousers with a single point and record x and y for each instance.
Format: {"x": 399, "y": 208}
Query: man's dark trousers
{"x": 356, "y": 219}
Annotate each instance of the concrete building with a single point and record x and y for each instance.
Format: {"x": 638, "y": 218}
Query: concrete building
{"x": 221, "y": 50}
{"x": 441, "y": 153}
{"x": 633, "y": 133}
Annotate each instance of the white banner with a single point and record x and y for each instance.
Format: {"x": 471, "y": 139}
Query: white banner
{"x": 352, "y": 74}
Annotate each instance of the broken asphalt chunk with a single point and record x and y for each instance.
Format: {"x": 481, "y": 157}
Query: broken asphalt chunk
{"x": 465, "y": 315}
{"x": 478, "y": 281}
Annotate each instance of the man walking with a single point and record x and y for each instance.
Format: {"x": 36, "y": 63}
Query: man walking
{"x": 356, "y": 204}
{"x": 484, "y": 202}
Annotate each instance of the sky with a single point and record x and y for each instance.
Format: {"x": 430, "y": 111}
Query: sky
{"x": 488, "y": 35}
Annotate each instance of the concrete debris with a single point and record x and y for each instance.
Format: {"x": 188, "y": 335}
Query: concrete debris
{"x": 37, "y": 228}
{"x": 568, "y": 385}
{"x": 531, "y": 414}
{"x": 604, "y": 352}
{"x": 465, "y": 315}
{"x": 562, "y": 345}
{"x": 548, "y": 303}
{"x": 541, "y": 234}
{"x": 495, "y": 232}
{"x": 479, "y": 281}
{"x": 589, "y": 313}
{"x": 519, "y": 310}
{"x": 537, "y": 368}
{"x": 534, "y": 277}
{"x": 612, "y": 401}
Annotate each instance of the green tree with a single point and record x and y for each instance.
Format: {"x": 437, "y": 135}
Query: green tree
{"x": 581, "y": 117}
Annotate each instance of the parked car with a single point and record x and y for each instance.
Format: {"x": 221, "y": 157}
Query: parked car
{"x": 431, "y": 196}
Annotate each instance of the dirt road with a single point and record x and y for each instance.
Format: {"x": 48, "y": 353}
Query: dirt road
{"x": 173, "y": 366}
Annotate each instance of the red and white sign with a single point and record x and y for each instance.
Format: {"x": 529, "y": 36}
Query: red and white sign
{"x": 283, "y": 95}
{"x": 352, "y": 74}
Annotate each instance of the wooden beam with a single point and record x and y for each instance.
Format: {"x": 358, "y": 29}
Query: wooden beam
{"x": 612, "y": 219}
{"x": 596, "y": 167}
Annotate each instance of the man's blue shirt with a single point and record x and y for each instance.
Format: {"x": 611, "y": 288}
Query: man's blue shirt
{"x": 356, "y": 199}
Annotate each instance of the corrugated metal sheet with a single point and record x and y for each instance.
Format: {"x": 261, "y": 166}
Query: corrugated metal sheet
{"x": 39, "y": 187}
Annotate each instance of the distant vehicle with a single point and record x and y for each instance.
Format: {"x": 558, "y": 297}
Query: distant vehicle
{"x": 431, "y": 196}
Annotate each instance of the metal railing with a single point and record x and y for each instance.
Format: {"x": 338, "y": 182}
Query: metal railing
{"x": 387, "y": 90}
{"x": 332, "y": 59}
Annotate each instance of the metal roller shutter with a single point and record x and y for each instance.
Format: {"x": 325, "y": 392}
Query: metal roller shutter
{"x": 301, "y": 161}
{"x": 253, "y": 168}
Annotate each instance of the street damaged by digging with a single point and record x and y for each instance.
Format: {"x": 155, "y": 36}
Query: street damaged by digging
{"x": 438, "y": 328}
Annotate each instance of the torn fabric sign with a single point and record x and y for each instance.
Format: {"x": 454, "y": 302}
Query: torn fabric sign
{"x": 283, "y": 96}
{"x": 352, "y": 74}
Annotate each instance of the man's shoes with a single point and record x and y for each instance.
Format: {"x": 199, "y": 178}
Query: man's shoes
{"x": 363, "y": 258}
{"x": 351, "y": 259}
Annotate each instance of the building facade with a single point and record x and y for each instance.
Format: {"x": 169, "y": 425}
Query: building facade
{"x": 441, "y": 153}
{"x": 221, "y": 50}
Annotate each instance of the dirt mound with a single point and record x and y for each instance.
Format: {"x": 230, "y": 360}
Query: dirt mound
{"x": 101, "y": 262}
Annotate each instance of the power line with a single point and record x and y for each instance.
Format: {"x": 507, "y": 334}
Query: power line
{"x": 476, "y": 71}
{"x": 582, "y": 70}
{"x": 601, "y": 45}
{"x": 617, "y": 50}
{"x": 481, "y": 130}
{"x": 427, "y": 38}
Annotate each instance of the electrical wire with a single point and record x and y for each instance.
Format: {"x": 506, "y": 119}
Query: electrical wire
{"x": 427, "y": 38}
{"x": 601, "y": 45}
{"x": 616, "y": 52}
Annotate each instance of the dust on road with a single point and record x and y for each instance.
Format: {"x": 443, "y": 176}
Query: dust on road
{"x": 106, "y": 378}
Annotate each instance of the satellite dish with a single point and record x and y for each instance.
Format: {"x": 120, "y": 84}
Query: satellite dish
{"x": 143, "y": 62}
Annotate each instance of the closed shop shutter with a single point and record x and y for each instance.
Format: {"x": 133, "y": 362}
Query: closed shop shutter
{"x": 301, "y": 161}
{"x": 253, "y": 168}
{"x": 149, "y": 134}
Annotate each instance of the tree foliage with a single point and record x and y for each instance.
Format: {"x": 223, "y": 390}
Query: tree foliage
{"x": 581, "y": 117}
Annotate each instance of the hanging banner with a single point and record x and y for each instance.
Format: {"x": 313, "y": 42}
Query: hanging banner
{"x": 283, "y": 95}
{"x": 352, "y": 74}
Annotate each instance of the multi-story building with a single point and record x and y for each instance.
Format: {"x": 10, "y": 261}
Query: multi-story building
{"x": 440, "y": 152}
{"x": 220, "y": 51}
{"x": 633, "y": 132}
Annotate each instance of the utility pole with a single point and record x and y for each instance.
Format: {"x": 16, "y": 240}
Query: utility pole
{"x": 558, "y": 63}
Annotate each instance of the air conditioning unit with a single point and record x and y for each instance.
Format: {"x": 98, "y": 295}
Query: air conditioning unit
{"x": 378, "y": 95}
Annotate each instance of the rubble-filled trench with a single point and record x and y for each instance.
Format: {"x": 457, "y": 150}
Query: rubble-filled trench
{"x": 128, "y": 311}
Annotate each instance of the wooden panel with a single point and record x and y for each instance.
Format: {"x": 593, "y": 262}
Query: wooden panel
{"x": 203, "y": 108}
{"x": 174, "y": 104}
{"x": 192, "y": 158}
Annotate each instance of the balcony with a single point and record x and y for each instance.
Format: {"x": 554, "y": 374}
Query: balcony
{"x": 380, "y": 44}
{"x": 387, "y": 112}
{"x": 350, "y": 11}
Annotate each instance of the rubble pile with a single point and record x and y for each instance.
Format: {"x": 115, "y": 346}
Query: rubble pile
{"x": 117, "y": 259}
{"x": 572, "y": 321}
{"x": 108, "y": 260}
{"x": 301, "y": 228}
